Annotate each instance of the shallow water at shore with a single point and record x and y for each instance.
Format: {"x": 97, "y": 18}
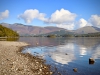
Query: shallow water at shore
{"x": 65, "y": 54}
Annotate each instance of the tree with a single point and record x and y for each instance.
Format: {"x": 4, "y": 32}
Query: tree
{"x": 6, "y": 32}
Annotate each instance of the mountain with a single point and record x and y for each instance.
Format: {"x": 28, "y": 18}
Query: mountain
{"x": 87, "y": 29}
{"x": 6, "y": 32}
{"x": 51, "y": 28}
{"x": 60, "y": 32}
{"x": 96, "y": 28}
{"x": 31, "y": 30}
{"x": 26, "y": 30}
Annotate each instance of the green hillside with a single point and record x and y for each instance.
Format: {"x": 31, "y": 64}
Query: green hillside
{"x": 62, "y": 33}
{"x": 6, "y": 32}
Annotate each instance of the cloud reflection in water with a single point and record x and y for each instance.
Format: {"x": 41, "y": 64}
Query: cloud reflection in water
{"x": 96, "y": 53}
{"x": 83, "y": 50}
{"x": 60, "y": 54}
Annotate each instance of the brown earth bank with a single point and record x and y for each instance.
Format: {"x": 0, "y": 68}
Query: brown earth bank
{"x": 13, "y": 62}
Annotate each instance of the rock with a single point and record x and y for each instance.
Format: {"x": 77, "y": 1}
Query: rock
{"x": 7, "y": 59}
{"x": 41, "y": 65}
{"x": 40, "y": 70}
{"x": 20, "y": 69}
{"x": 51, "y": 73}
{"x": 2, "y": 63}
{"x": 37, "y": 62}
{"x": 59, "y": 73}
{"x": 75, "y": 69}
{"x": 45, "y": 67}
{"x": 13, "y": 62}
{"x": 47, "y": 72}
{"x": 66, "y": 54}
{"x": 91, "y": 61}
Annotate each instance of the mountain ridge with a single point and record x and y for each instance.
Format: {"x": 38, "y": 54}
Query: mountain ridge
{"x": 37, "y": 30}
{"x": 32, "y": 30}
{"x": 87, "y": 29}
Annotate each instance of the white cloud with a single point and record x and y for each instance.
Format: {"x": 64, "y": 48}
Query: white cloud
{"x": 82, "y": 23}
{"x": 31, "y": 14}
{"x": 95, "y": 20}
{"x": 4, "y": 15}
{"x": 61, "y": 16}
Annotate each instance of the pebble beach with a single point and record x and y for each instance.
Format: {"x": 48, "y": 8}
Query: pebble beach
{"x": 13, "y": 62}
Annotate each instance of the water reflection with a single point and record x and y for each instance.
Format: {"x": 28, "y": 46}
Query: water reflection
{"x": 62, "y": 58}
{"x": 96, "y": 53}
{"x": 69, "y": 52}
{"x": 9, "y": 39}
{"x": 63, "y": 54}
{"x": 83, "y": 50}
{"x": 42, "y": 41}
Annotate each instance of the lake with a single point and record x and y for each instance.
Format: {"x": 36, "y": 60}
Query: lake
{"x": 65, "y": 54}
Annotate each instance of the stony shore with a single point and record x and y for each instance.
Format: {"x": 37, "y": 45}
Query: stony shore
{"x": 13, "y": 62}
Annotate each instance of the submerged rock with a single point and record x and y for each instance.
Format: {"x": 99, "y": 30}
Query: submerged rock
{"x": 75, "y": 69}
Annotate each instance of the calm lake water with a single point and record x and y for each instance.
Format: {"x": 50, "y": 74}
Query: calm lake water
{"x": 64, "y": 54}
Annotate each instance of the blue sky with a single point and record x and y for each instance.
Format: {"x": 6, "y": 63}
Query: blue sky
{"x": 69, "y": 14}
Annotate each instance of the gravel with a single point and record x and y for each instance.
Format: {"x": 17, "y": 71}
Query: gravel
{"x": 13, "y": 62}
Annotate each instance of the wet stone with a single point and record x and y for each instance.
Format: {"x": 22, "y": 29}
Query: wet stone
{"x": 75, "y": 69}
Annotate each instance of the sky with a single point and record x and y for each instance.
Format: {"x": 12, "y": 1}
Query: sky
{"x": 68, "y": 14}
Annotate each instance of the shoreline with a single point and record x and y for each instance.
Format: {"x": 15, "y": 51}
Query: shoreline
{"x": 13, "y": 62}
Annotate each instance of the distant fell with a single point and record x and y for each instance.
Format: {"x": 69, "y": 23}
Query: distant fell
{"x": 87, "y": 29}
{"x": 31, "y": 30}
